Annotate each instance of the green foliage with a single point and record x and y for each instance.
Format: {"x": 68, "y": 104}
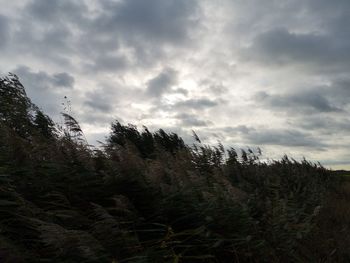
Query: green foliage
{"x": 144, "y": 197}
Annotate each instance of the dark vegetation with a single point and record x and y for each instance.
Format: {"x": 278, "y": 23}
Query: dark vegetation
{"x": 148, "y": 197}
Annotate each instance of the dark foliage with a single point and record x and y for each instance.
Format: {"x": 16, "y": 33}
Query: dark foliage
{"x": 147, "y": 143}
{"x": 146, "y": 197}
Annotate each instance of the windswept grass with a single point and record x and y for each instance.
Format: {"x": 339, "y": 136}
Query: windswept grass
{"x": 149, "y": 197}
{"x": 330, "y": 239}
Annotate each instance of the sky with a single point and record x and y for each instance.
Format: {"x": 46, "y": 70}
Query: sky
{"x": 247, "y": 73}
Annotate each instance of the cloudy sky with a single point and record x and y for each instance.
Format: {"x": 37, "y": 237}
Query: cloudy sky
{"x": 272, "y": 73}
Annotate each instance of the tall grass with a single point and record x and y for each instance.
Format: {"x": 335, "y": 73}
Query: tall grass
{"x": 146, "y": 197}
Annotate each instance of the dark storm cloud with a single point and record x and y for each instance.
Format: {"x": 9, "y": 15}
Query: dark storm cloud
{"x": 4, "y": 31}
{"x": 162, "y": 82}
{"x": 300, "y": 102}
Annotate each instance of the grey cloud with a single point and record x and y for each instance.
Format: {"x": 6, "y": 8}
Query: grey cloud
{"x": 335, "y": 162}
{"x": 98, "y": 118}
{"x": 218, "y": 89}
{"x": 157, "y": 20}
{"x": 45, "y": 89}
{"x": 215, "y": 88}
{"x": 53, "y": 44}
{"x": 299, "y": 36}
{"x": 188, "y": 106}
{"x": 196, "y": 104}
{"x": 94, "y": 33}
{"x": 56, "y": 10}
{"x": 323, "y": 124}
{"x": 290, "y": 137}
{"x": 237, "y": 129}
{"x": 333, "y": 15}
{"x": 190, "y": 120}
{"x": 63, "y": 80}
{"x": 102, "y": 99}
{"x": 99, "y": 104}
{"x": 325, "y": 6}
{"x": 181, "y": 91}
{"x": 282, "y": 47}
{"x": 331, "y": 98}
{"x": 4, "y": 31}
{"x": 94, "y": 138}
{"x": 162, "y": 82}
{"x": 145, "y": 28}
{"x": 48, "y": 28}
{"x": 110, "y": 98}
{"x": 108, "y": 63}
{"x": 339, "y": 90}
{"x": 43, "y": 80}
{"x": 299, "y": 102}
{"x": 262, "y": 136}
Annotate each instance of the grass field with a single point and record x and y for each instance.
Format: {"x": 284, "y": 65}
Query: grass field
{"x": 330, "y": 239}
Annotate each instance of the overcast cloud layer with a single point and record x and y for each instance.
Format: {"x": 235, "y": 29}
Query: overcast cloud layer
{"x": 274, "y": 75}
